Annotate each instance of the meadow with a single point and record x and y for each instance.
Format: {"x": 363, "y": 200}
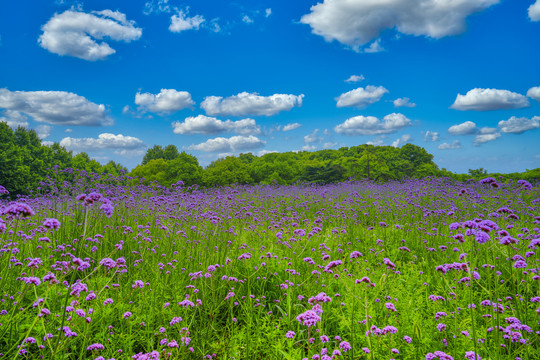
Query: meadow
{"x": 417, "y": 269}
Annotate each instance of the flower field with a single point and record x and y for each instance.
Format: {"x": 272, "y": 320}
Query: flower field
{"x": 421, "y": 269}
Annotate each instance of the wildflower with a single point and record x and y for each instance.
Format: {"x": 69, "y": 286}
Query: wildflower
{"x": 324, "y": 339}
{"x": 390, "y": 306}
{"x": 308, "y": 318}
{"x": 470, "y": 355}
{"x": 51, "y": 223}
{"x": 107, "y": 209}
{"x": 15, "y": 210}
{"x": 345, "y": 346}
{"x": 127, "y": 314}
{"x": 96, "y": 346}
{"x": 407, "y": 339}
{"x": 290, "y": 334}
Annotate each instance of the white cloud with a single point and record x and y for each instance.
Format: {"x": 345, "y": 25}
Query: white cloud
{"x": 264, "y": 152}
{"x": 431, "y": 136}
{"x": 405, "y": 138}
{"x": 103, "y": 141}
{"x": 356, "y": 23}
{"x": 247, "y": 19}
{"x": 516, "y": 125}
{"x": 250, "y": 104}
{"x": 202, "y": 124}
{"x": 167, "y": 101}
{"x": 489, "y": 99}
{"x": 534, "y": 11}
{"x": 484, "y": 138}
{"x": 156, "y": 7}
{"x": 446, "y": 146}
{"x": 43, "y": 131}
{"x": 181, "y": 21}
{"x": 80, "y": 34}
{"x": 483, "y": 135}
{"x": 379, "y": 140}
{"x": 355, "y": 78}
{"x": 268, "y": 12}
{"x": 232, "y": 144}
{"x": 14, "y": 119}
{"x": 375, "y": 47}
{"x": 55, "y": 107}
{"x": 329, "y": 145}
{"x": 466, "y": 128}
{"x": 313, "y": 137}
{"x": 370, "y": 125}
{"x": 130, "y": 153}
{"x": 289, "y": 127}
{"x": 309, "y": 148}
{"x": 403, "y": 102}
{"x": 534, "y": 93}
{"x": 361, "y": 97}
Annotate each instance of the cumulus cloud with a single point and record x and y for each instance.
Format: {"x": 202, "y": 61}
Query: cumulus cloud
{"x": 534, "y": 11}
{"x": 80, "y": 34}
{"x": 14, "y": 119}
{"x": 379, "y": 140}
{"x": 55, "y": 107}
{"x": 103, "y": 141}
{"x": 167, "y": 101}
{"x": 370, "y": 125}
{"x": 446, "y": 146}
{"x": 355, "y": 78}
{"x": 404, "y": 102}
{"x": 516, "y": 125}
{"x": 313, "y": 137}
{"x": 232, "y": 144}
{"x": 485, "y": 137}
{"x": 405, "y": 138}
{"x": 356, "y": 23}
{"x": 361, "y": 97}
{"x": 534, "y": 93}
{"x": 431, "y": 136}
{"x": 181, "y": 21}
{"x": 374, "y": 47}
{"x": 268, "y": 12}
{"x": 489, "y": 99}
{"x": 264, "y": 152}
{"x": 202, "y": 124}
{"x": 43, "y": 131}
{"x": 466, "y": 128}
{"x": 289, "y": 127}
{"x": 250, "y": 104}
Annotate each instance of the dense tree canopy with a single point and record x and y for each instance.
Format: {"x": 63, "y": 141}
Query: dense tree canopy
{"x": 25, "y": 163}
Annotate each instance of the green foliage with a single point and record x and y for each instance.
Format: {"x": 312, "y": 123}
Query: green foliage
{"x": 25, "y": 162}
{"x": 230, "y": 170}
{"x": 182, "y": 167}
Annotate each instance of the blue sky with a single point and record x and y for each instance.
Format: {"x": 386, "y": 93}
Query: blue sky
{"x": 112, "y": 78}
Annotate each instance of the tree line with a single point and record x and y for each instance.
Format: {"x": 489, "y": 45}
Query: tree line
{"x": 25, "y": 163}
